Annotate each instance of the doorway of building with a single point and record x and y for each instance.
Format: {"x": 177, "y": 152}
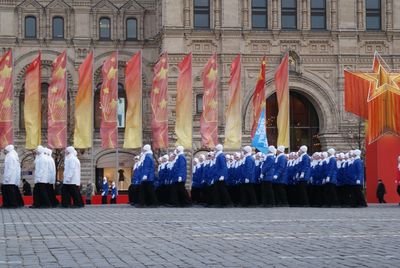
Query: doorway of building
{"x": 304, "y": 122}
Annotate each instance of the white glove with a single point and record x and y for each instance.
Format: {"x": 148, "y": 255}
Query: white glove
{"x": 262, "y": 176}
{"x": 323, "y": 181}
{"x": 297, "y": 175}
{"x": 327, "y": 179}
{"x": 358, "y": 182}
{"x": 113, "y": 196}
{"x": 302, "y": 175}
{"x": 144, "y": 177}
{"x": 275, "y": 177}
{"x": 221, "y": 178}
{"x": 212, "y": 182}
{"x": 180, "y": 179}
{"x": 246, "y": 181}
{"x": 311, "y": 179}
{"x": 202, "y": 182}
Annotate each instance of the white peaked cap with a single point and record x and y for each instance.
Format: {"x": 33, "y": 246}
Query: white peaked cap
{"x": 40, "y": 149}
{"x": 247, "y": 149}
{"x": 48, "y": 151}
{"x": 357, "y": 152}
{"x": 166, "y": 157}
{"x": 237, "y": 154}
{"x": 281, "y": 148}
{"x": 147, "y": 148}
{"x": 341, "y": 155}
{"x": 180, "y": 149}
{"x": 325, "y": 154}
{"x": 113, "y": 183}
{"x": 202, "y": 157}
{"x": 196, "y": 160}
{"x": 70, "y": 150}
{"x": 137, "y": 157}
{"x": 304, "y": 149}
{"x": 272, "y": 149}
{"x": 9, "y": 148}
{"x": 104, "y": 178}
{"x": 331, "y": 151}
{"x": 219, "y": 147}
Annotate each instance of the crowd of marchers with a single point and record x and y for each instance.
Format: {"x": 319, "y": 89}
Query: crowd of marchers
{"x": 247, "y": 179}
{"x": 244, "y": 179}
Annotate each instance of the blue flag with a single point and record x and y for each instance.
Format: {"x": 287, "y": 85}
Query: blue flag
{"x": 260, "y": 137}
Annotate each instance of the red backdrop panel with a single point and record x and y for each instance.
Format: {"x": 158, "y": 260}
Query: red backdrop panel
{"x": 381, "y": 163}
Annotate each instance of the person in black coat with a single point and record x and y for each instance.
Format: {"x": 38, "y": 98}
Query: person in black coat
{"x": 381, "y": 191}
{"x": 26, "y": 188}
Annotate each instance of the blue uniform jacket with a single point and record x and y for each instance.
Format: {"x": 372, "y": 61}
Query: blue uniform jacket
{"x": 148, "y": 168}
{"x": 114, "y": 192}
{"x": 331, "y": 170}
{"x": 105, "y": 188}
{"x": 280, "y": 169}
{"x": 179, "y": 169}
{"x": 304, "y": 166}
{"x": 221, "y": 168}
{"x": 358, "y": 172}
{"x": 267, "y": 169}
{"x": 248, "y": 170}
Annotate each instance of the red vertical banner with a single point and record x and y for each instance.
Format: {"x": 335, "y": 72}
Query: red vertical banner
{"x": 233, "y": 126}
{"x": 209, "y": 116}
{"x": 258, "y": 98}
{"x": 6, "y": 100}
{"x": 57, "y": 104}
{"x": 109, "y": 102}
{"x": 159, "y": 103}
{"x": 133, "y": 87}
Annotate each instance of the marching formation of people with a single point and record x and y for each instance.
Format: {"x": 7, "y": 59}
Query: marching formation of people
{"x": 326, "y": 179}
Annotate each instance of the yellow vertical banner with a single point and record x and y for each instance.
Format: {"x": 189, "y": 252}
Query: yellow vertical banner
{"x": 32, "y": 105}
{"x": 183, "y": 125}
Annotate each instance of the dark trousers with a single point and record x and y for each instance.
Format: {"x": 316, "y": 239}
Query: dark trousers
{"x": 52, "y": 195}
{"x": 381, "y": 198}
{"x": 195, "y": 194}
{"x": 267, "y": 194}
{"x": 257, "y": 190}
{"x": 147, "y": 196}
{"x": 9, "y": 198}
{"x": 130, "y": 194}
{"x": 40, "y": 197}
{"x": 330, "y": 196}
{"x": 113, "y": 200}
{"x": 357, "y": 196}
{"x": 179, "y": 195}
{"x": 220, "y": 194}
{"x": 280, "y": 194}
{"x": 302, "y": 195}
{"x": 70, "y": 192}
{"x": 291, "y": 195}
{"x": 104, "y": 200}
{"x": 18, "y": 197}
{"x": 248, "y": 195}
{"x": 234, "y": 193}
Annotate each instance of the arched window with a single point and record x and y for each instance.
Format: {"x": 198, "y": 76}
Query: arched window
{"x": 105, "y": 28}
{"x": 121, "y": 109}
{"x": 131, "y": 29}
{"x": 58, "y": 28}
{"x": 30, "y": 27}
{"x": 304, "y": 122}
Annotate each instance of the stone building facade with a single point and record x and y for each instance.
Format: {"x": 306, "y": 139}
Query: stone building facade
{"x": 323, "y": 38}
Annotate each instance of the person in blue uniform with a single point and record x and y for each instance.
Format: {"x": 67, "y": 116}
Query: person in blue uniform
{"x": 196, "y": 181}
{"x": 104, "y": 192}
{"x": 208, "y": 177}
{"x": 221, "y": 195}
{"x": 248, "y": 195}
{"x": 267, "y": 172}
{"x": 114, "y": 193}
{"x": 280, "y": 177}
{"x": 313, "y": 178}
{"x": 291, "y": 179}
{"x": 303, "y": 176}
{"x": 258, "y": 159}
{"x": 357, "y": 182}
{"x": 133, "y": 190}
{"x": 147, "y": 196}
{"x": 162, "y": 198}
{"x": 330, "y": 179}
{"x": 178, "y": 195}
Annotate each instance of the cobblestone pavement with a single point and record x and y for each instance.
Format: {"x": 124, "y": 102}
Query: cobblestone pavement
{"x": 124, "y": 236}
